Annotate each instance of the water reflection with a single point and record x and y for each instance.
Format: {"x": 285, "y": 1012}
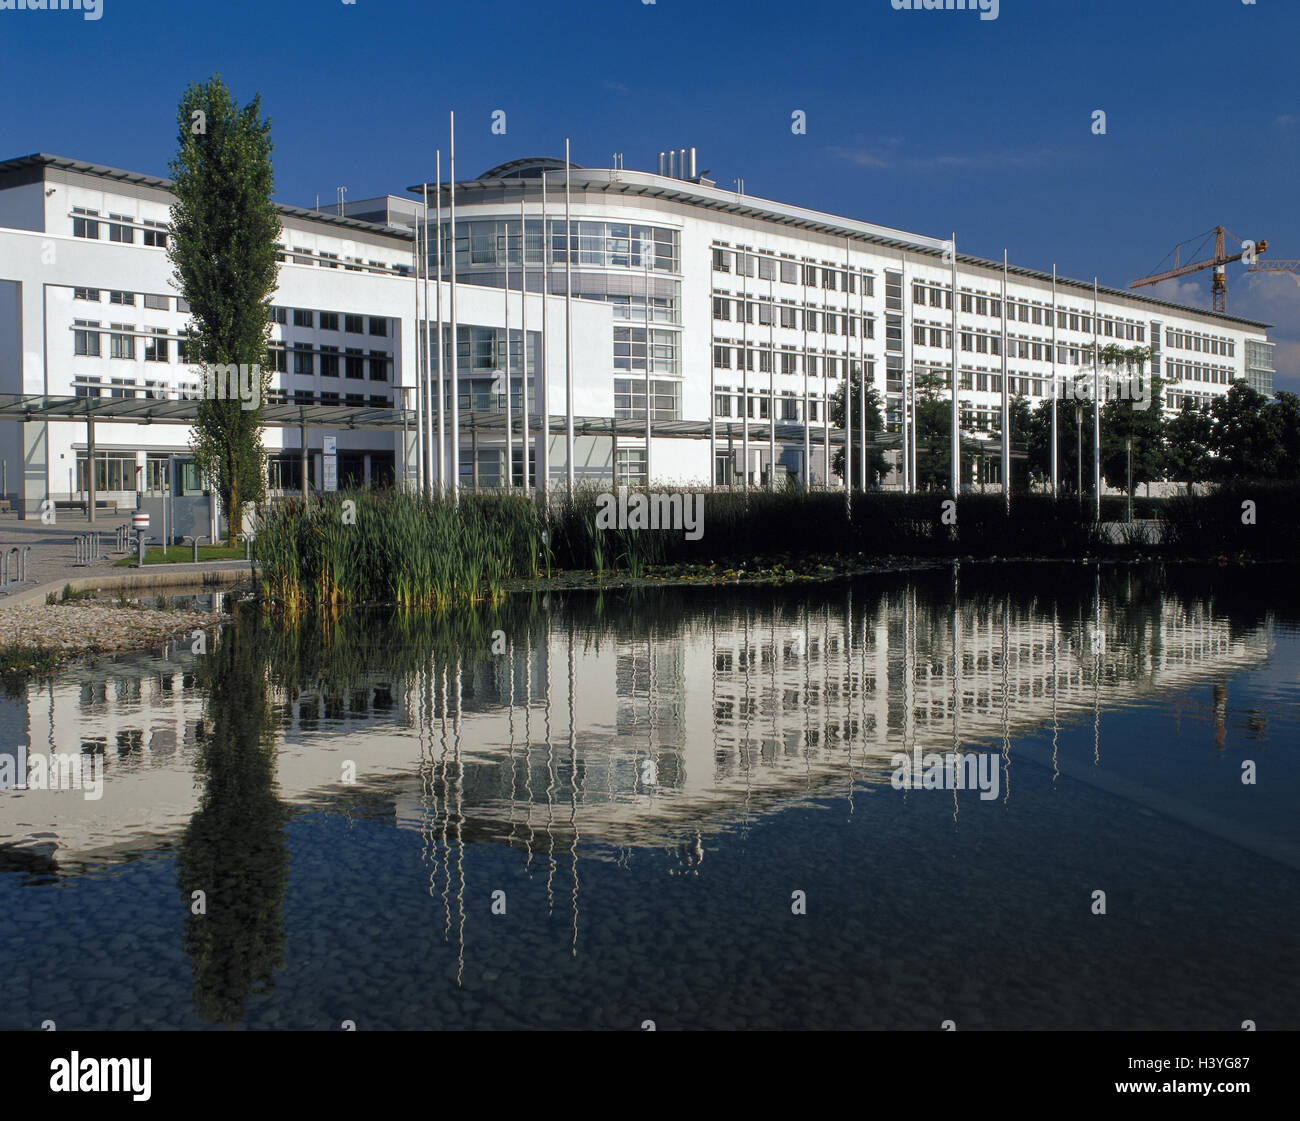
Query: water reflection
{"x": 588, "y": 727}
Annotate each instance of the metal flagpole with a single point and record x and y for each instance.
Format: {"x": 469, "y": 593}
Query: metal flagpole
{"x": 742, "y": 267}
{"x": 646, "y": 246}
{"x": 510, "y": 436}
{"x": 424, "y": 355}
{"x": 1006, "y": 398}
{"x": 956, "y": 378}
{"x": 713, "y": 400}
{"x": 862, "y": 381}
{"x": 826, "y": 407}
{"x": 523, "y": 331}
{"x": 568, "y": 322}
{"x": 848, "y": 385}
{"x": 904, "y": 430}
{"x": 544, "y": 421}
{"x": 1055, "y": 394}
{"x": 807, "y": 432}
{"x": 437, "y": 291}
{"x": 455, "y": 331}
{"x": 1096, "y": 402}
{"x": 771, "y": 378}
{"x": 419, "y": 386}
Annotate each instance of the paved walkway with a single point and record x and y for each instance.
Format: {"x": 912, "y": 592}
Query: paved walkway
{"x": 52, "y": 560}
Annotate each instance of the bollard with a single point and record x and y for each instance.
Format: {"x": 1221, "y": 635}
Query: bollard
{"x": 22, "y": 564}
{"x": 12, "y": 551}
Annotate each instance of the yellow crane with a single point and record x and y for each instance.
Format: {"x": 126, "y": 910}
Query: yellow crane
{"x": 1250, "y": 251}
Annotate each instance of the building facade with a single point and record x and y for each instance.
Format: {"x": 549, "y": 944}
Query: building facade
{"x": 734, "y": 320}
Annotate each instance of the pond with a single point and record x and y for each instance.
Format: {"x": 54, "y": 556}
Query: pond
{"x": 1032, "y": 797}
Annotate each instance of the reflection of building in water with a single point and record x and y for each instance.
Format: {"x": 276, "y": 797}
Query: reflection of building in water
{"x": 622, "y": 739}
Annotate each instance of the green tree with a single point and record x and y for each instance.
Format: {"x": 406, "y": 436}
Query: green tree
{"x": 933, "y": 432}
{"x": 1188, "y": 436}
{"x": 223, "y": 247}
{"x": 1245, "y": 436}
{"x": 877, "y": 468}
{"x": 1287, "y": 430}
{"x": 1132, "y": 430}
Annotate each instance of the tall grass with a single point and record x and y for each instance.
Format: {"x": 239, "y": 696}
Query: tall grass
{"x": 395, "y": 547}
{"x": 369, "y": 547}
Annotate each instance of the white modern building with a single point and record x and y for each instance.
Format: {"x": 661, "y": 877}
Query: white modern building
{"x": 736, "y": 317}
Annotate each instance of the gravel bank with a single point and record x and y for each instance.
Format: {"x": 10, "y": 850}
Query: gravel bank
{"x": 96, "y": 626}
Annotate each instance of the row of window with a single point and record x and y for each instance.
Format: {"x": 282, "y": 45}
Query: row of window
{"x": 128, "y": 299}
{"x": 630, "y": 395}
{"x": 971, "y": 303}
{"x": 611, "y": 245}
{"x": 790, "y": 317}
{"x": 86, "y": 341}
{"x": 789, "y": 362}
{"x": 121, "y": 228}
{"x": 330, "y": 321}
{"x": 1195, "y": 371}
{"x": 1205, "y": 344}
{"x": 761, "y": 266}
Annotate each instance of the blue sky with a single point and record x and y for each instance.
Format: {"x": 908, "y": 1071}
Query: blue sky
{"x": 928, "y": 121}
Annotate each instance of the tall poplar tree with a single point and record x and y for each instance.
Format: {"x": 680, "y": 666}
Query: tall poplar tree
{"x": 225, "y": 231}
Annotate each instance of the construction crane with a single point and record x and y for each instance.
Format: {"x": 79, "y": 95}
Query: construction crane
{"x": 1250, "y": 251}
{"x": 1274, "y": 266}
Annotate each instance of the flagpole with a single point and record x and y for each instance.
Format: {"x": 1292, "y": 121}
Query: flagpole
{"x": 523, "y": 353}
{"x": 455, "y": 332}
{"x": 742, "y": 266}
{"x": 1055, "y": 479}
{"x": 568, "y": 323}
{"x": 510, "y": 440}
{"x": 437, "y": 252}
{"x": 424, "y": 356}
{"x": 1096, "y": 402}
{"x": 1006, "y": 398}
{"x": 544, "y": 421}
{"x": 956, "y": 377}
{"x": 419, "y": 388}
{"x": 771, "y": 379}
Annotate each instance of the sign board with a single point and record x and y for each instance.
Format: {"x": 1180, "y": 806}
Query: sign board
{"x": 330, "y": 462}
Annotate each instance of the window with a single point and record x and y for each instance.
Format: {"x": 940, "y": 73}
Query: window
{"x": 354, "y": 364}
{"x": 113, "y": 471}
{"x": 722, "y": 403}
{"x": 83, "y": 223}
{"x": 122, "y": 387}
{"x": 91, "y": 294}
{"x": 121, "y": 343}
{"x": 721, "y": 308}
{"x": 354, "y": 324}
{"x": 789, "y": 272}
{"x": 766, "y": 268}
{"x": 155, "y": 234}
{"x": 87, "y": 387}
{"x": 301, "y": 255}
{"x": 918, "y": 294}
{"x": 303, "y": 318}
{"x": 279, "y": 360}
{"x": 182, "y": 306}
{"x": 378, "y": 325}
{"x": 155, "y": 347}
{"x": 630, "y": 468}
{"x": 304, "y": 361}
{"x": 721, "y": 260}
{"x": 85, "y": 338}
{"x": 329, "y": 361}
{"x": 894, "y": 291}
{"x": 280, "y": 315}
{"x": 378, "y": 366}
{"x": 125, "y": 299}
{"x": 120, "y": 229}
{"x": 722, "y": 358}
{"x": 329, "y": 398}
{"x": 329, "y": 321}
{"x": 157, "y": 303}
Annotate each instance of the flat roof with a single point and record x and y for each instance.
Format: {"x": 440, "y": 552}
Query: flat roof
{"x": 134, "y": 178}
{"x": 692, "y": 193}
